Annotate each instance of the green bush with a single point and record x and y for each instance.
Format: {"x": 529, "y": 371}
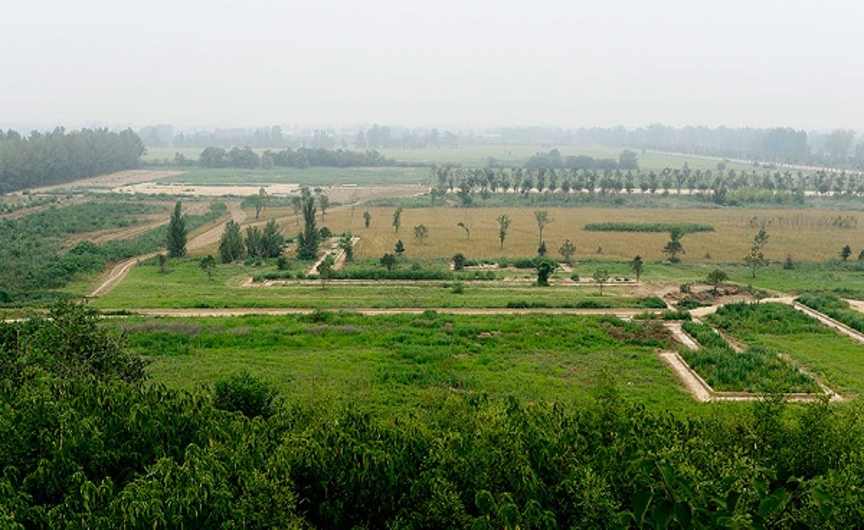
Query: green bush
{"x": 615, "y": 226}
{"x": 676, "y": 315}
{"x": 651, "y": 302}
{"x": 690, "y": 303}
{"x": 246, "y": 394}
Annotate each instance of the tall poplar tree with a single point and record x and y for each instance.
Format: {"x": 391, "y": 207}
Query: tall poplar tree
{"x": 176, "y": 239}
{"x": 308, "y": 239}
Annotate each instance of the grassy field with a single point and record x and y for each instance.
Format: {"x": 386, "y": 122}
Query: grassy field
{"x": 187, "y": 286}
{"x": 392, "y": 362}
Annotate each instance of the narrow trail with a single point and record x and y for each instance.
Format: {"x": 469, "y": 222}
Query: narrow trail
{"x": 119, "y": 272}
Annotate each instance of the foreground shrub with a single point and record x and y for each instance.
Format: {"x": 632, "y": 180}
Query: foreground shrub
{"x": 246, "y": 394}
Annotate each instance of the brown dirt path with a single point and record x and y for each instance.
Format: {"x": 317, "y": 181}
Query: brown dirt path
{"x": 120, "y": 270}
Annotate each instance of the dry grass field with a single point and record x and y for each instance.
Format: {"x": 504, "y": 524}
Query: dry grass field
{"x": 806, "y": 235}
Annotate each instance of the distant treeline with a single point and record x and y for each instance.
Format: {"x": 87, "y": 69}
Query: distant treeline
{"x": 59, "y": 157}
{"x": 246, "y": 158}
{"x": 375, "y": 137}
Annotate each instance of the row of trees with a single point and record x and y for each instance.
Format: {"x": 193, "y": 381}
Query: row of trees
{"x": 58, "y": 157}
{"x": 258, "y": 243}
{"x": 627, "y": 160}
{"x": 719, "y": 186}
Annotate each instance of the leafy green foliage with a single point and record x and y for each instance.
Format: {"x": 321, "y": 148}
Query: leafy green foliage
{"x": 231, "y": 246}
{"x": 103, "y": 453}
{"x": 177, "y": 232}
{"x": 246, "y": 394}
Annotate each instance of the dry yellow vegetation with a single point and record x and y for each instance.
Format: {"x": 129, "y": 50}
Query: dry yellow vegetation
{"x": 806, "y": 235}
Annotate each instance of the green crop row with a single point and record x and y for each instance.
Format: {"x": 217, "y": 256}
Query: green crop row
{"x": 757, "y": 369}
{"x": 620, "y": 226}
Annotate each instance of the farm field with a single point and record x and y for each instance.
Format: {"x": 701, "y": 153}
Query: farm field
{"x": 806, "y": 235}
{"x": 397, "y": 362}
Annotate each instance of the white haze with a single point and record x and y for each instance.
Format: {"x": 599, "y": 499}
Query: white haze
{"x": 447, "y": 62}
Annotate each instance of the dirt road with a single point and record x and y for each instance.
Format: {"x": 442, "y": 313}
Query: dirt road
{"x": 120, "y": 270}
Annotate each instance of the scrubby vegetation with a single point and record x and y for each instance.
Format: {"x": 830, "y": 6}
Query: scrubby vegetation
{"x": 35, "y": 262}
{"x": 100, "y": 449}
{"x": 835, "y": 307}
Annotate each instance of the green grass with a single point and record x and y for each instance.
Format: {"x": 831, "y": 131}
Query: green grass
{"x": 313, "y": 176}
{"x": 187, "y": 286}
{"x": 392, "y": 362}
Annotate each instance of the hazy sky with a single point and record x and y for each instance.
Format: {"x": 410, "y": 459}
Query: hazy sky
{"x": 448, "y": 62}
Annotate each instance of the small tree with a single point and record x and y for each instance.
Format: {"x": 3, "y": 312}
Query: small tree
{"x": 397, "y": 219}
{"x": 323, "y": 202}
{"x": 467, "y": 229}
{"x": 388, "y": 261}
{"x": 674, "y": 248}
{"x": 541, "y": 250}
{"x": 845, "y": 252}
{"x": 399, "y": 248}
{"x": 367, "y": 218}
{"x": 861, "y": 257}
{"x": 163, "y": 263}
{"x": 542, "y": 218}
{"x": 637, "y": 265}
{"x": 208, "y": 265}
{"x": 176, "y": 239}
{"x": 567, "y": 251}
{"x": 503, "y": 226}
{"x": 347, "y": 246}
{"x": 545, "y": 269}
{"x": 716, "y": 278}
{"x": 755, "y": 259}
{"x": 458, "y": 261}
{"x": 325, "y": 270}
{"x": 296, "y": 205}
{"x": 421, "y": 233}
{"x": 231, "y": 246}
{"x": 600, "y": 277}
